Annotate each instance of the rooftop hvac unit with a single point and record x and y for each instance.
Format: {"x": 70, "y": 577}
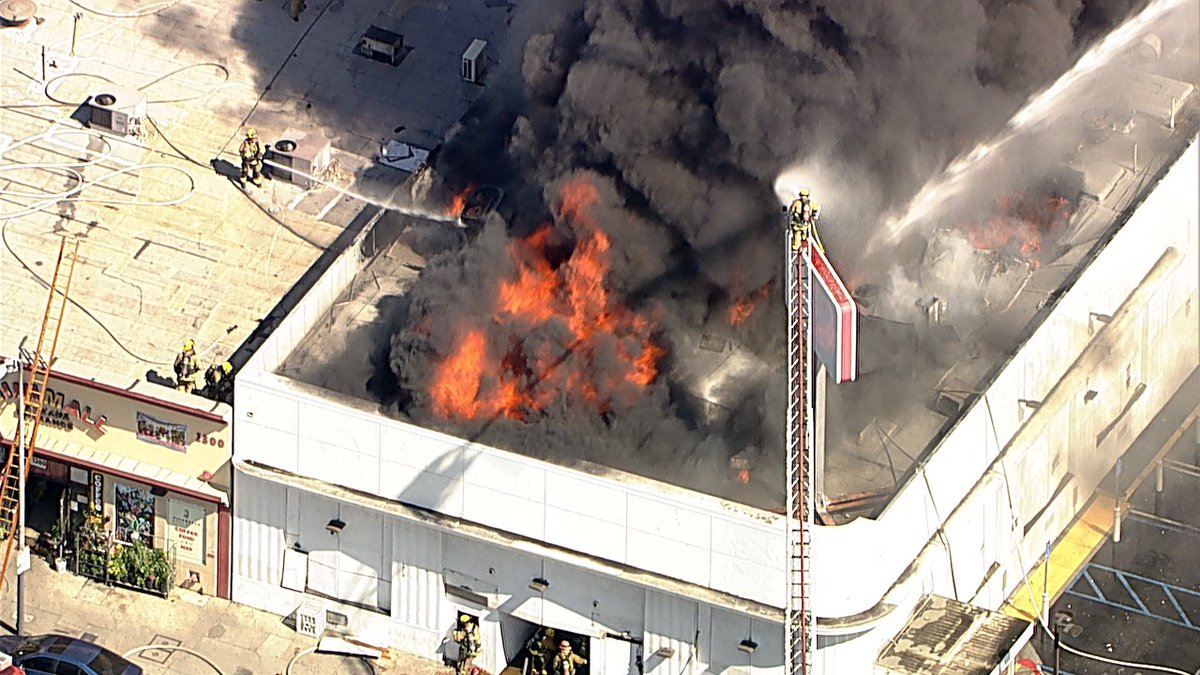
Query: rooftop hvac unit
{"x": 382, "y": 45}
{"x": 473, "y": 62}
{"x": 310, "y": 620}
{"x": 117, "y": 109}
{"x": 300, "y": 157}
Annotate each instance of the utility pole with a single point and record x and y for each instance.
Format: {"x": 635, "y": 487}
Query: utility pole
{"x": 22, "y": 560}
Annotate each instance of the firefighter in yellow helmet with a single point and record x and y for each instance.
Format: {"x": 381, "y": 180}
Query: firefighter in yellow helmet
{"x": 218, "y": 381}
{"x": 802, "y": 218}
{"x": 567, "y": 662}
{"x": 466, "y": 636}
{"x": 187, "y": 368}
{"x": 252, "y": 158}
{"x": 541, "y": 648}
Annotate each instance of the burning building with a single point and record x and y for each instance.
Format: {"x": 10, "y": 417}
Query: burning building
{"x": 574, "y": 421}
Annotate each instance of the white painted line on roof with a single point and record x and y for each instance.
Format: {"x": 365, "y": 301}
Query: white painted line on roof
{"x": 329, "y": 207}
{"x": 296, "y": 201}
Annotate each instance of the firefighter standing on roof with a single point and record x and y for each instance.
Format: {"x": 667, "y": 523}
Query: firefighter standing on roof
{"x": 187, "y": 368}
{"x": 252, "y": 158}
{"x": 218, "y": 381}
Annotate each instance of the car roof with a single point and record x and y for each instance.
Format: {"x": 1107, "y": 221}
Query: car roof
{"x": 81, "y": 652}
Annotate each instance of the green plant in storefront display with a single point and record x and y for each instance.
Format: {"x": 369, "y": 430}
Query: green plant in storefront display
{"x": 141, "y": 566}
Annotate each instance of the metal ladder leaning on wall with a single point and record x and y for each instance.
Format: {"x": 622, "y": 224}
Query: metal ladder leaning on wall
{"x": 799, "y": 630}
{"x": 35, "y": 393}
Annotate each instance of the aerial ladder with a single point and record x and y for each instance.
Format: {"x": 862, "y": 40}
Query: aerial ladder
{"x": 35, "y": 392}
{"x": 800, "y": 629}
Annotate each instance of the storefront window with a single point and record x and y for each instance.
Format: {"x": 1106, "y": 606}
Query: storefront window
{"x": 135, "y": 514}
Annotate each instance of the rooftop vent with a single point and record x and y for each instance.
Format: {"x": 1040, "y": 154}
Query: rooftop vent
{"x": 15, "y": 13}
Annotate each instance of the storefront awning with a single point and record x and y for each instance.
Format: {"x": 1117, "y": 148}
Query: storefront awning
{"x": 81, "y": 455}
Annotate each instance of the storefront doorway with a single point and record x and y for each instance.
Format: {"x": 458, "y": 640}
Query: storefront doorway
{"x": 530, "y": 648}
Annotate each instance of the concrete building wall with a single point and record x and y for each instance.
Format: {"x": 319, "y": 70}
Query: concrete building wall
{"x": 431, "y": 575}
{"x": 673, "y": 532}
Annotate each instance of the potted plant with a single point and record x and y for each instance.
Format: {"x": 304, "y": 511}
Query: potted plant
{"x": 58, "y": 545}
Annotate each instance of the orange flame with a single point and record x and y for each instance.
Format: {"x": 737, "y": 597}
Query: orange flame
{"x": 459, "y": 203}
{"x": 744, "y": 306}
{"x": 743, "y": 476}
{"x": 502, "y": 373}
{"x": 1019, "y": 226}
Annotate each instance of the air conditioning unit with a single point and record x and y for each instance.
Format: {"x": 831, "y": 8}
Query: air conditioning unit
{"x": 300, "y": 157}
{"x": 473, "y": 62}
{"x": 117, "y": 109}
{"x": 382, "y": 45}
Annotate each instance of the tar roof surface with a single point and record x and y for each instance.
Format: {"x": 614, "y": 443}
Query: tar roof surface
{"x": 212, "y": 266}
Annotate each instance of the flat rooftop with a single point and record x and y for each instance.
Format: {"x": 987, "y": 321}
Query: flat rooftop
{"x": 917, "y": 378}
{"x": 213, "y": 263}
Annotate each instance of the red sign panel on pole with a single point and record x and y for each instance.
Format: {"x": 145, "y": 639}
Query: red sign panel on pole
{"x": 834, "y": 320}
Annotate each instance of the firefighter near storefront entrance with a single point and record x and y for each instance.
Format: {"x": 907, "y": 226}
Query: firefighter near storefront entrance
{"x": 566, "y": 662}
{"x": 466, "y": 636}
{"x": 541, "y": 651}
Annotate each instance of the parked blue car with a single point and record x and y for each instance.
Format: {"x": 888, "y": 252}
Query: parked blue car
{"x": 62, "y": 655}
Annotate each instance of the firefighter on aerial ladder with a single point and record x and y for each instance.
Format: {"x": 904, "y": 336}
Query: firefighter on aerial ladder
{"x": 802, "y": 220}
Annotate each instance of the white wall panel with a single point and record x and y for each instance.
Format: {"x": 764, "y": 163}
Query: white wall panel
{"x": 672, "y": 558}
{"x": 408, "y": 446}
{"x": 355, "y": 470}
{"x": 417, "y": 565}
{"x": 586, "y": 496}
{"x": 611, "y": 605}
{"x": 586, "y": 533}
{"x": 670, "y": 623}
{"x": 519, "y": 515}
{"x": 524, "y": 478}
{"x": 259, "y": 515}
{"x": 666, "y": 520}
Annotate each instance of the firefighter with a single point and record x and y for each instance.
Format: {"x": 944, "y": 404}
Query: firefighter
{"x": 469, "y": 643}
{"x": 565, "y": 661}
{"x": 540, "y": 647}
{"x": 252, "y": 158}
{"x": 802, "y": 217}
{"x": 187, "y": 368}
{"x": 218, "y": 381}
{"x": 298, "y": 6}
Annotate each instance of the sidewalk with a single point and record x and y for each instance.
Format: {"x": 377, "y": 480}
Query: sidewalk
{"x": 242, "y": 641}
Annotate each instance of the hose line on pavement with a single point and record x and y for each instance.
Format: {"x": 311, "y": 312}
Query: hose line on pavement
{"x": 306, "y": 652}
{"x": 185, "y": 650}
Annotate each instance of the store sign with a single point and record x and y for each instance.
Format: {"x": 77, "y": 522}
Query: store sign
{"x": 58, "y": 412}
{"x": 167, "y": 434}
{"x": 187, "y": 531}
{"x": 97, "y": 491}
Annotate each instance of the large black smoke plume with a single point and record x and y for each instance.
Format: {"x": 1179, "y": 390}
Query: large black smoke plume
{"x": 682, "y": 113}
